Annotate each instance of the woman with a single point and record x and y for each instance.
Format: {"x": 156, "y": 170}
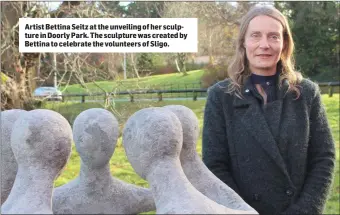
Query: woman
{"x": 265, "y": 131}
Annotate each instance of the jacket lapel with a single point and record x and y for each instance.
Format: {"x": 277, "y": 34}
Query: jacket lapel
{"x": 255, "y": 123}
{"x": 275, "y": 109}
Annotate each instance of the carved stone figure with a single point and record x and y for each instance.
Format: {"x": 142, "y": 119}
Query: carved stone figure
{"x": 41, "y": 143}
{"x": 152, "y": 138}
{"x": 195, "y": 170}
{"x": 9, "y": 165}
{"x": 95, "y": 191}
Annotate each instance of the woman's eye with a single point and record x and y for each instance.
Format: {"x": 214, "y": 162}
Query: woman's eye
{"x": 255, "y": 35}
{"x": 275, "y": 37}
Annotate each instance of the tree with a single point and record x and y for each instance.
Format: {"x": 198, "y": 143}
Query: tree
{"x": 111, "y": 9}
{"x": 317, "y": 43}
{"x": 217, "y": 26}
{"x": 140, "y": 9}
{"x": 19, "y": 68}
{"x": 143, "y": 62}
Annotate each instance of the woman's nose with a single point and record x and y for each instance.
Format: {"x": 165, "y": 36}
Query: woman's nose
{"x": 264, "y": 43}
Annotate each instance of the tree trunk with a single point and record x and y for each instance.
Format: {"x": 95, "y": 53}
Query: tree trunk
{"x": 134, "y": 65}
{"x": 17, "y": 90}
{"x": 177, "y": 66}
{"x": 181, "y": 61}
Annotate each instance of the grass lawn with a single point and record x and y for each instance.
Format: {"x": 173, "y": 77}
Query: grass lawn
{"x": 167, "y": 81}
{"x": 332, "y": 108}
{"x": 121, "y": 168}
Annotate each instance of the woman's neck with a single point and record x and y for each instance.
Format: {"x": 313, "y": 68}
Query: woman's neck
{"x": 263, "y": 72}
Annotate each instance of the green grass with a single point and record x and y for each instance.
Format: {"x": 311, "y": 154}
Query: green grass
{"x": 332, "y": 108}
{"x": 121, "y": 168}
{"x": 167, "y": 81}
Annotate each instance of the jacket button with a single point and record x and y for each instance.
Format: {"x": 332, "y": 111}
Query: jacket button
{"x": 256, "y": 197}
{"x": 289, "y": 192}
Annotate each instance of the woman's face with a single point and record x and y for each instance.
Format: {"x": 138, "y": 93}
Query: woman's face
{"x": 263, "y": 44}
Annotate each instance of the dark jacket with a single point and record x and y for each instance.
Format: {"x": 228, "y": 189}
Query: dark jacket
{"x": 280, "y": 157}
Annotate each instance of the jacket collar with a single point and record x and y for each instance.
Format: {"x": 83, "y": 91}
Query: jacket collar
{"x": 248, "y": 96}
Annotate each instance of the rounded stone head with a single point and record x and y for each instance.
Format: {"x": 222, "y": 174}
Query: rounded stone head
{"x": 8, "y": 118}
{"x": 151, "y": 135}
{"x": 8, "y": 164}
{"x": 189, "y": 122}
{"x": 95, "y": 133}
{"x": 42, "y": 139}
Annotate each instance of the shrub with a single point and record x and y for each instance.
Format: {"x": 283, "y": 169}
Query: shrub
{"x": 214, "y": 73}
{"x": 164, "y": 69}
{"x": 195, "y": 66}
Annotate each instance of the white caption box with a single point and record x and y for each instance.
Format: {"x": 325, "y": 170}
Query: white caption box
{"x": 115, "y": 35}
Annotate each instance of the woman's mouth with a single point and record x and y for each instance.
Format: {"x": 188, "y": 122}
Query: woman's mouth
{"x": 264, "y": 55}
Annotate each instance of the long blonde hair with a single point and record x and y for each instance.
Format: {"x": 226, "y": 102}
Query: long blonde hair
{"x": 238, "y": 70}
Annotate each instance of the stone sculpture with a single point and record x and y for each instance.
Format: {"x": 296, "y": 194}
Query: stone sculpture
{"x": 95, "y": 191}
{"x": 41, "y": 143}
{"x": 9, "y": 165}
{"x": 196, "y": 171}
{"x": 152, "y": 138}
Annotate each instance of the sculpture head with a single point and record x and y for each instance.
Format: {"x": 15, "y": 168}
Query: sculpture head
{"x": 8, "y": 118}
{"x": 42, "y": 139}
{"x": 8, "y": 165}
{"x": 95, "y": 133}
{"x": 190, "y": 125}
{"x": 151, "y": 135}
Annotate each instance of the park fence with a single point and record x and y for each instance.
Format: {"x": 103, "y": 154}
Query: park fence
{"x": 130, "y": 95}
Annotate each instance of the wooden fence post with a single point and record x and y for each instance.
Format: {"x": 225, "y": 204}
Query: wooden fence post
{"x": 195, "y": 96}
{"x": 82, "y": 99}
{"x": 330, "y": 91}
{"x": 106, "y": 99}
{"x": 186, "y": 93}
{"x": 160, "y": 97}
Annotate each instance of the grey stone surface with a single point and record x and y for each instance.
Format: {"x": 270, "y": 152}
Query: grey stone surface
{"x": 8, "y": 163}
{"x": 152, "y": 138}
{"x": 95, "y": 191}
{"x": 196, "y": 171}
{"x": 41, "y": 143}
